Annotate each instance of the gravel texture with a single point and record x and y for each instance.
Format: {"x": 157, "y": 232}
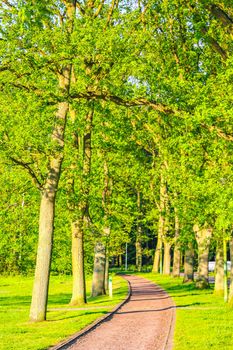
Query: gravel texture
{"x": 145, "y": 322}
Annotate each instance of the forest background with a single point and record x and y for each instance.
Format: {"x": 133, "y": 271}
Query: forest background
{"x": 119, "y": 114}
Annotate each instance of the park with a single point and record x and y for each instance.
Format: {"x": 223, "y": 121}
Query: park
{"x": 116, "y": 174}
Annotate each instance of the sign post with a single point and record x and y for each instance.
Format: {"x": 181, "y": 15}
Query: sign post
{"x": 110, "y": 286}
{"x": 126, "y": 256}
{"x": 225, "y": 269}
{"x": 161, "y": 261}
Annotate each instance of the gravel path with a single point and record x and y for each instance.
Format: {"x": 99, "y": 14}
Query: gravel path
{"x": 145, "y": 322}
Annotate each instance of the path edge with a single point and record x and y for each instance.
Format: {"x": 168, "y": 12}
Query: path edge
{"x": 169, "y": 340}
{"x": 65, "y": 344}
{"x": 169, "y": 344}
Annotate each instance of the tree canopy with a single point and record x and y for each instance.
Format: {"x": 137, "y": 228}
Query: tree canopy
{"x": 120, "y": 114}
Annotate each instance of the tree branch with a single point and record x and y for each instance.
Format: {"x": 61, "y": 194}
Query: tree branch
{"x": 110, "y": 12}
{"x": 79, "y": 6}
{"x": 6, "y": 2}
{"x": 215, "y": 45}
{"x": 217, "y": 12}
{"x": 96, "y": 14}
{"x": 29, "y": 170}
{"x": 123, "y": 102}
{"x": 219, "y": 132}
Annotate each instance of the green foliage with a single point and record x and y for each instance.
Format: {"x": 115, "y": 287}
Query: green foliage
{"x": 159, "y": 79}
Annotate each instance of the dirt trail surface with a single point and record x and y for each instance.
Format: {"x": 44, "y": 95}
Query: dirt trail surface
{"x": 145, "y": 322}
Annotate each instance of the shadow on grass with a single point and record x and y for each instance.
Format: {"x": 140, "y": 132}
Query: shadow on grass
{"x": 60, "y": 298}
{"x": 178, "y": 288}
{"x": 184, "y": 295}
{"x": 187, "y": 305}
{"x": 55, "y": 299}
{"x": 15, "y": 301}
{"x": 79, "y": 315}
{"x": 106, "y": 298}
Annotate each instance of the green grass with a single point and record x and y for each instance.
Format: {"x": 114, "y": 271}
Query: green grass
{"x": 203, "y": 321}
{"x": 15, "y": 297}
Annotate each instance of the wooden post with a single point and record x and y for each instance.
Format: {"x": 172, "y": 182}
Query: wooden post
{"x": 225, "y": 269}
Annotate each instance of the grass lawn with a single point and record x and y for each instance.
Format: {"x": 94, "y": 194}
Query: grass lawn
{"x": 203, "y": 321}
{"x": 15, "y": 297}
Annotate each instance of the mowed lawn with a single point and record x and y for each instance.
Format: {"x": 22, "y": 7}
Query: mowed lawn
{"x": 62, "y": 320}
{"x": 203, "y": 320}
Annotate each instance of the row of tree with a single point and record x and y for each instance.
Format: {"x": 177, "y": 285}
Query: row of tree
{"x": 119, "y": 113}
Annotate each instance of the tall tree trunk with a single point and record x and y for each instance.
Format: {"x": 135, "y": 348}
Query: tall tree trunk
{"x": 47, "y": 206}
{"x": 189, "y": 264}
{"x": 106, "y": 273}
{"x": 47, "y": 210}
{"x": 203, "y": 240}
{"x": 138, "y": 244}
{"x": 120, "y": 260}
{"x": 176, "y": 255}
{"x": 158, "y": 250}
{"x": 138, "y": 255}
{"x": 167, "y": 258}
{"x": 161, "y": 227}
{"x": 219, "y": 270}
{"x": 230, "y": 298}
{"x": 176, "y": 262}
{"x": 181, "y": 259}
{"x": 81, "y": 210}
{"x": 98, "y": 280}
{"x": 79, "y": 285}
{"x": 41, "y": 282}
{"x": 106, "y": 231}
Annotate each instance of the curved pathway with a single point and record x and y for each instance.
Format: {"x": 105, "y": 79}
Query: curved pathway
{"x": 145, "y": 322}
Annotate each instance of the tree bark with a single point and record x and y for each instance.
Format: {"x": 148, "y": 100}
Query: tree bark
{"x": 81, "y": 211}
{"x": 98, "y": 280}
{"x": 79, "y": 285}
{"x": 47, "y": 206}
{"x": 176, "y": 255}
{"x": 219, "y": 270}
{"x": 138, "y": 255}
{"x": 167, "y": 258}
{"x": 188, "y": 264}
{"x": 106, "y": 273}
{"x": 107, "y": 231}
{"x": 203, "y": 240}
{"x": 138, "y": 244}
{"x": 47, "y": 211}
{"x": 161, "y": 226}
{"x": 120, "y": 260}
{"x": 41, "y": 282}
{"x": 230, "y": 298}
{"x": 159, "y": 247}
{"x": 176, "y": 262}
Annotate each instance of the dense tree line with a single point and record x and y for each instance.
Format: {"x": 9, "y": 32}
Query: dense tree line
{"x": 118, "y": 115}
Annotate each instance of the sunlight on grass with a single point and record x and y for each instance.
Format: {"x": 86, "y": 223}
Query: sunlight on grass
{"x": 15, "y": 297}
{"x": 203, "y": 321}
